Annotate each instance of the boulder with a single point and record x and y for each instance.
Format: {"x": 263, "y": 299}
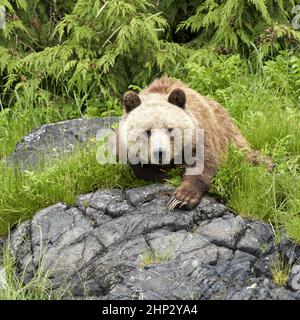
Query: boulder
{"x": 125, "y": 244}
{"x": 54, "y": 140}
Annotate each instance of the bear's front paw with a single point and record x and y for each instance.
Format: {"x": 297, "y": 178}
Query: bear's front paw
{"x": 185, "y": 197}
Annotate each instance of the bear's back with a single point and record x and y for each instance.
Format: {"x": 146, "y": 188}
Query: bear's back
{"x": 219, "y": 128}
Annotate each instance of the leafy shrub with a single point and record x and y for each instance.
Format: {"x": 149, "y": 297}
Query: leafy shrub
{"x": 101, "y": 48}
{"x": 68, "y": 59}
{"x": 259, "y": 27}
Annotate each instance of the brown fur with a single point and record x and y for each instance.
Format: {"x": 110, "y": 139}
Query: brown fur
{"x": 213, "y": 118}
{"x": 131, "y": 100}
{"x": 219, "y": 132}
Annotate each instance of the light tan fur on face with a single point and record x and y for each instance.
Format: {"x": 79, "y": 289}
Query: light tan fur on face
{"x": 199, "y": 112}
{"x": 212, "y": 117}
{"x": 155, "y": 112}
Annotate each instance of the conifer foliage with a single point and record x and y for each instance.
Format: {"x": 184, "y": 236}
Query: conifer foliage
{"x": 98, "y": 49}
{"x": 245, "y": 25}
{"x": 86, "y": 53}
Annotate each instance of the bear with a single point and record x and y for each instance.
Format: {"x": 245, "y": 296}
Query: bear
{"x": 169, "y": 105}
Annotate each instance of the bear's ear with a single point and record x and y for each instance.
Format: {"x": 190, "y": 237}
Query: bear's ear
{"x": 131, "y": 100}
{"x": 177, "y": 97}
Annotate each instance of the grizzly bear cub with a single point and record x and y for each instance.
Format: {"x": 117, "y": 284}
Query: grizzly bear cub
{"x": 160, "y": 125}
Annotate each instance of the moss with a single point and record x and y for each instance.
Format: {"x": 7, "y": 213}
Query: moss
{"x": 154, "y": 257}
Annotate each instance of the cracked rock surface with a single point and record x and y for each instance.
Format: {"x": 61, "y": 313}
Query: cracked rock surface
{"x": 116, "y": 244}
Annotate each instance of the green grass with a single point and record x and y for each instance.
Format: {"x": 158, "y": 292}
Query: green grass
{"x": 265, "y": 106}
{"x": 273, "y": 128}
{"x": 22, "y": 193}
{"x": 18, "y": 121}
{"x": 15, "y": 287}
{"x": 280, "y": 271}
{"x": 153, "y": 257}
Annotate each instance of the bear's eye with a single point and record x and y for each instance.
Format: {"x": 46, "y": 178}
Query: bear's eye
{"x": 170, "y": 129}
{"x": 148, "y": 133}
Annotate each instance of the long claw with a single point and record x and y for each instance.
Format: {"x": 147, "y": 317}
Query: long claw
{"x": 171, "y": 199}
{"x": 177, "y": 204}
{"x": 183, "y": 204}
{"x": 170, "y": 206}
{"x": 174, "y": 204}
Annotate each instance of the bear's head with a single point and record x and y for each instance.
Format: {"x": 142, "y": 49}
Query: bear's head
{"x": 156, "y": 128}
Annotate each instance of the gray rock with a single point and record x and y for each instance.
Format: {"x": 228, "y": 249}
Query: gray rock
{"x": 257, "y": 238}
{"x": 225, "y": 231}
{"x": 142, "y": 195}
{"x": 290, "y": 251}
{"x": 116, "y": 244}
{"x": 53, "y": 140}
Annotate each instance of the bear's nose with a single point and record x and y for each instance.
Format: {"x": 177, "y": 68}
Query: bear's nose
{"x": 159, "y": 155}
